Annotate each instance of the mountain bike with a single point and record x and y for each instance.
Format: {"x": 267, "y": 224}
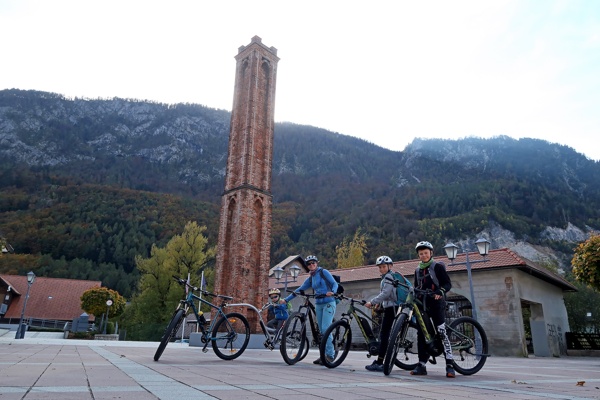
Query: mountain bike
{"x": 273, "y": 336}
{"x": 341, "y": 332}
{"x": 228, "y": 333}
{"x": 467, "y": 338}
{"x": 294, "y": 341}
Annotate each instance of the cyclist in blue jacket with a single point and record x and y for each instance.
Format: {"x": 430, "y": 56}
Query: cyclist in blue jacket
{"x": 324, "y": 287}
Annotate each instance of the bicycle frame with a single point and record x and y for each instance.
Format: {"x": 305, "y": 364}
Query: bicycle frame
{"x": 410, "y": 308}
{"x": 206, "y": 332}
{"x": 354, "y": 313}
{"x": 270, "y": 338}
{"x": 308, "y": 309}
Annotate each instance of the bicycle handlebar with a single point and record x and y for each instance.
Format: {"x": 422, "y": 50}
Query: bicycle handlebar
{"x": 302, "y": 293}
{"x": 342, "y": 297}
{"x": 184, "y": 282}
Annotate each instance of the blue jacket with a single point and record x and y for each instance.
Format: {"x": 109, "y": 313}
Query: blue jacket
{"x": 280, "y": 311}
{"x": 319, "y": 286}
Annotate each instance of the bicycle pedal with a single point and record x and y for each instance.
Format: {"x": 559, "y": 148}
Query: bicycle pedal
{"x": 204, "y": 350}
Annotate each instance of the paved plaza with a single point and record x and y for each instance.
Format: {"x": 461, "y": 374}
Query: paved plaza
{"x": 39, "y": 367}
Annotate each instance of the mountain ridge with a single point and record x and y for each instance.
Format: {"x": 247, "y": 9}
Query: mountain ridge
{"x": 325, "y": 185}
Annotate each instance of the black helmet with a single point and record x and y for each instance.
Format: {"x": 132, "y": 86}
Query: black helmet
{"x": 423, "y": 245}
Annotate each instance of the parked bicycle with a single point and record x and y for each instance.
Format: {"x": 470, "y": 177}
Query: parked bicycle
{"x": 341, "y": 332}
{"x": 228, "y": 333}
{"x": 294, "y": 341}
{"x": 467, "y": 338}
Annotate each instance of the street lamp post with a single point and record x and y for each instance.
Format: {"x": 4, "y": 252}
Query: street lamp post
{"x": 280, "y": 272}
{"x": 20, "y": 331}
{"x": 483, "y": 247}
{"x": 109, "y": 303}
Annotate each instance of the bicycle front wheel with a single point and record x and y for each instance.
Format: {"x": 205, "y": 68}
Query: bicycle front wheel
{"x": 408, "y": 354}
{"x": 395, "y": 343}
{"x": 341, "y": 335}
{"x": 170, "y": 332}
{"x": 469, "y": 345}
{"x": 294, "y": 343}
{"x": 230, "y": 336}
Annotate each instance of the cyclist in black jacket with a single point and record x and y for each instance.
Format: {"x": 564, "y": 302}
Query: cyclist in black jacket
{"x": 432, "y": 275}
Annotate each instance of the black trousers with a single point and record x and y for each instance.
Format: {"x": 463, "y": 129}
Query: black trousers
{"x": 436, "y": 309}
{"x": 386, "y": 328}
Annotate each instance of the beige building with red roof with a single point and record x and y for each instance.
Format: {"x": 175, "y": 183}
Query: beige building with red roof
{"x": 504, "y": 286}
{"x": 54, "y": 300}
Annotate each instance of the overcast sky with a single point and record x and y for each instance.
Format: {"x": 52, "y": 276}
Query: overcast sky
{"x": 386, "y": 71}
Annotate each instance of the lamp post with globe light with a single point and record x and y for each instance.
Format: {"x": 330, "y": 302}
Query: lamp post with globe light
{"x": 293, "y": 272}
{"x": 483, "y": 247}
{"x": 109, "y": 303}
{"x": 20, "y": 330}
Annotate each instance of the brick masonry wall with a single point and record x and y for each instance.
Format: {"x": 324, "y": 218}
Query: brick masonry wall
{"x": 243, "y": 249}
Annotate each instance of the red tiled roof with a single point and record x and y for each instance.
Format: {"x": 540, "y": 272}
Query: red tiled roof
{"x": 497, "y": 259}
{"x": 49, "y": 298}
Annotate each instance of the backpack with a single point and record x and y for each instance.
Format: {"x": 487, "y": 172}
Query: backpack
{"x": 420, "y": 276}
{"x": 340, "y": 288}
{"x": 401, "y": 291}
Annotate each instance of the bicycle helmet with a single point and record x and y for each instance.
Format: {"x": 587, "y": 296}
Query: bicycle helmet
{"x": 274, "y": 291}
{"x": 423, "y": 245}
{"x": 311, "y": 258}
{"x": 384, "y": 260}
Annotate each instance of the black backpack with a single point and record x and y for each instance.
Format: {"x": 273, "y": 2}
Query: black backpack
{"x": 340, "y": 288}
{"x": 420, "y": 276}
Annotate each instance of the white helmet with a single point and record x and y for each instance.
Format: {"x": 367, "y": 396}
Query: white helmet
{"x": 384, "y": 260}
{"x": 423, "y": 245}
{"x": 311, "y": 258}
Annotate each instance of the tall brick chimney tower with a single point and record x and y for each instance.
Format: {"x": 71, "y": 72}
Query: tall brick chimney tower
{"x": 244, "y": 245}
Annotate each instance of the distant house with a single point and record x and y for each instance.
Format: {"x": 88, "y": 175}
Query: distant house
{"x": 504, "y": 286}
{"x": 51, "y": 300}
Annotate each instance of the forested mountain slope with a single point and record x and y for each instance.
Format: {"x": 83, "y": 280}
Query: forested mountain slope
{"x": 99, "y": 181}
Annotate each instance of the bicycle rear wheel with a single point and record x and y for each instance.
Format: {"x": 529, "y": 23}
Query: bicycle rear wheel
{"x": 341, "y": 334}
{"x": 294, "y": 343}
{"x": 230, "y": 336}
{"x": 408, "y": 354}
{"x": 395, "y": 344}
{"x": 170, "y": 332}
{"x": 469, "y": 345}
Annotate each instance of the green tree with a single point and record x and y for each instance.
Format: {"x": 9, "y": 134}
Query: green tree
{"x": 351, "y": 253}
{"x": 158, "y": 294}
{"x": 583, "y": 309}
{"x": 586, "y": 262}
{"x": 93, "y": 301}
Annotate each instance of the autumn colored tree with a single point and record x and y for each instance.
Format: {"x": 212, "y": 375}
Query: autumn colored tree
{"x": 351, "y": 253}
{"x": 93, "y": 301}
{"x": 586, "y": 262}
{"x": 158, "y": 292}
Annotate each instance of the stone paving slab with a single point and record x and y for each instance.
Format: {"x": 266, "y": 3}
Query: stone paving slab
{"x": 41, "y": 368}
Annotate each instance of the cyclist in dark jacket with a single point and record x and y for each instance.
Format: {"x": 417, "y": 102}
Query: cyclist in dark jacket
{"x": 436, "y": 305}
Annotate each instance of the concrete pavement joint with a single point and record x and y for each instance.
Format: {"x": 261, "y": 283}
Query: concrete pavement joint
{"x": 157, "y": 384}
